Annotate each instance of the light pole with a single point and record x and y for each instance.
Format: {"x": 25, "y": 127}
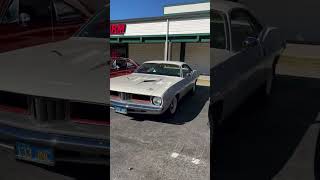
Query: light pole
{"x": 166, "y": 43}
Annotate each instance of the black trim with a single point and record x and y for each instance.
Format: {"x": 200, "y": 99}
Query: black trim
{"x": 182, "y": 51}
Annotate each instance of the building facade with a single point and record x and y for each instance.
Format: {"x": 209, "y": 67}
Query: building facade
{"x": 181, "y": 34}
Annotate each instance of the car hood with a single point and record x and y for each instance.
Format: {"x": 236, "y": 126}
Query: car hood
{"x": 74, "y": 69}
{"x": 144, "y": 84}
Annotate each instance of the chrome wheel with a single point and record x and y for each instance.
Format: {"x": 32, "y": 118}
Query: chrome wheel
{"x": 173, "y": 105}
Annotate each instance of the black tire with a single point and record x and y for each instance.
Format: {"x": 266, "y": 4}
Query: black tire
{"x": 172, "y": 109}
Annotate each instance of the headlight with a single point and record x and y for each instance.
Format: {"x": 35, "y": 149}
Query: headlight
{"x": 157, "y": 101}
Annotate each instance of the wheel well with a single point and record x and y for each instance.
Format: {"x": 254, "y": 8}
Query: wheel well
{"x": 178, "y": 96}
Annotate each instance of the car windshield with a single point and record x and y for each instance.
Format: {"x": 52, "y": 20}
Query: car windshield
{"x": 96, "y": 27}
{"x": 159, "y": 69}
{"x": 218, "y": 35}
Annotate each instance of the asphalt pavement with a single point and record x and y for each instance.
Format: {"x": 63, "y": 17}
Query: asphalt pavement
{"x": 150, "y": 148}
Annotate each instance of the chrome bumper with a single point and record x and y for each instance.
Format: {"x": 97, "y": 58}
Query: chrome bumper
{"x": 134, "y": 108}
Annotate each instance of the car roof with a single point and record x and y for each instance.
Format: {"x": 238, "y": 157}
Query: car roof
{"x": 225, "y": 6}
{"x": 167, "y": 62}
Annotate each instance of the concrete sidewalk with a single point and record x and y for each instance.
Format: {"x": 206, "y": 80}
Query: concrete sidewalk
{"x": 203, "y": 80}
{"x": 302, "y": 51}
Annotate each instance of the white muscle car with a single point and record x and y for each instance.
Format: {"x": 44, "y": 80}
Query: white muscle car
{"x": 154, "y": 88}
{"x": 244, "y": 55}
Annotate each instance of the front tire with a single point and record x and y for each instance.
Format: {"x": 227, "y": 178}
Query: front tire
{"x": 172, "y": 109}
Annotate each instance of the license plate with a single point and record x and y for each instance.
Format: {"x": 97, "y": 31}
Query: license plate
{"x": 121, "y": 110}
{"x": 36, "y": 154}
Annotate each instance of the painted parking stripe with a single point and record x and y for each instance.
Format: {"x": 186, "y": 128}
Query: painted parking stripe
{"x": 185, "y": 158}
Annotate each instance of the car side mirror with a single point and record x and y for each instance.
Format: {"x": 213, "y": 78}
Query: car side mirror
{"x": 24, "y": 19}
{"x": 250, "y": 42}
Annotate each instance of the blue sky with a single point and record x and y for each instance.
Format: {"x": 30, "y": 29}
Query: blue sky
{"x": 128, "y": 9}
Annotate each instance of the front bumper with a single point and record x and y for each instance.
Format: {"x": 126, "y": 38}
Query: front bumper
{"x": 67, "y": 148}
{"x": 137, "y": 108}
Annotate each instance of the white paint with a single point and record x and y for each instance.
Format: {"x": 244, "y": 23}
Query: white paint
{"x": 195, "y": 161}
{"x": 185, "y": 26}
{"x": 166, "y": 43}
{"x": 185, "y": 158}
{"x": 187, "y": 8}
{"x": 174, "y": 155}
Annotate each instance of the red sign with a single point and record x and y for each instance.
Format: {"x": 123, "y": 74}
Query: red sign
{"x": 117, "y": 28}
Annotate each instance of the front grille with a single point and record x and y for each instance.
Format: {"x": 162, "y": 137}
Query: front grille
{"x": 130, "y": 97}
{"x": 125, "y": 96}
{"x": 141, "y": 97}
{"x": 13, "y": 102}
{"x": 114, "y": 93}
{"x": 89, "y": 113}
{"x": 44, "y": 109}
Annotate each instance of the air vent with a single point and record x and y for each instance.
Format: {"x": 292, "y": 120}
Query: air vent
{"x": 12, "y": 102}
{"x": 49, "y": 109}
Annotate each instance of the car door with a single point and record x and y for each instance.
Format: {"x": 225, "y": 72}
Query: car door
{"x": 245, "y": 59}
{"x": 25, "y": 23}
{"x": 69, "y": 16}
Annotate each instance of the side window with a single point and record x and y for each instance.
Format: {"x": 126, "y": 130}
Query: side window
{"x": 121, "y": 64}
{"x": 130, "y": 65}
{"x": 185, "y": 70}
{"x": 12, "y": 13}
{"x": 218, "y": 32}
{"x": 114, "y": 65}
{"x": 65, "y": 12}
{"x": 35, "y": 12}
{"x": 243, "y": 25}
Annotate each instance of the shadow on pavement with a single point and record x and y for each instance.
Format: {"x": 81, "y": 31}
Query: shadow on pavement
{"x": 189, "y": 108}
{"x": 82, "y": 172}
{"x": 259, "y": 139}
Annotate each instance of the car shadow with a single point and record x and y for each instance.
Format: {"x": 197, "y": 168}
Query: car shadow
{"x": 189, "y": 108}
{"x": 260, "y": 138}
{"x": 81, "y": 171}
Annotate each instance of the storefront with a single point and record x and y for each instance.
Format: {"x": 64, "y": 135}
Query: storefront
{"x": 185, "y": 28}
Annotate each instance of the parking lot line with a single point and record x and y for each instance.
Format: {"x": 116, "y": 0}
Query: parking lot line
{"x": 185, "y": 158}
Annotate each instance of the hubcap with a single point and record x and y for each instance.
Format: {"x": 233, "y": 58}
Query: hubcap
{"x": 173, "y": 105}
